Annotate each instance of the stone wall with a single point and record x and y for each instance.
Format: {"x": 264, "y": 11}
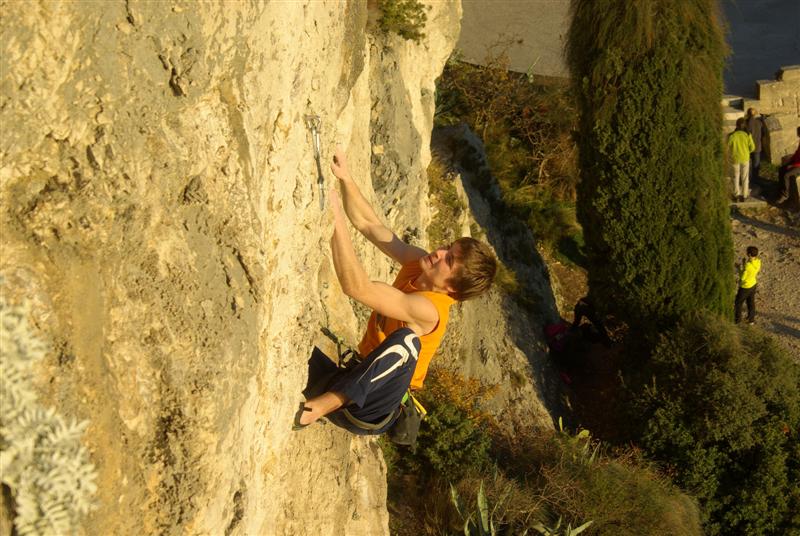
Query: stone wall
{"x": 779, "y": 101}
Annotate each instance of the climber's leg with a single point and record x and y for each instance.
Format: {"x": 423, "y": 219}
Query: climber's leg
{"x": 322, "y": 405}
{"x": 373, "y": 389}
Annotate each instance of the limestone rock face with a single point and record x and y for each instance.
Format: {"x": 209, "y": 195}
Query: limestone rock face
{"x": 492, "y": 338}
{"x": 160, "y": 213}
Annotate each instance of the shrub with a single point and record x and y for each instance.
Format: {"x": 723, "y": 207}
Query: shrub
{"x": 532, "y": 477}
{"x": 722, "y": 409}
{"x": 651, "y": 199}
{"x": 454, "y": 439}
{"x": 406, "y": 18}
{"x": 621, "y": 494}
{"x": 525, "y": 128}
{"x": 451, "y": 444}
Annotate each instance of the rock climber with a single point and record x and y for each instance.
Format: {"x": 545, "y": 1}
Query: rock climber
{"x": 409, "y": 317}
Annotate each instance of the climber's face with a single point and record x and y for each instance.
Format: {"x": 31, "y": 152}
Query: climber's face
{"x": 440, "y": 265}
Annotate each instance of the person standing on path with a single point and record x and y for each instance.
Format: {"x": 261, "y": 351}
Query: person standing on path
{"x": 755, "y": 125}
{"x": 751, "y": 265}
{"x": 740, "y": 145}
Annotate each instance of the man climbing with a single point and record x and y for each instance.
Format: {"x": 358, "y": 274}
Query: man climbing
{"x": 408, "y": 317}
{"x": 751, "y": 265}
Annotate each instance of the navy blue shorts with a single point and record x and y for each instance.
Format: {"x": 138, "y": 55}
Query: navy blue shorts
{"x": 376, "y": 386}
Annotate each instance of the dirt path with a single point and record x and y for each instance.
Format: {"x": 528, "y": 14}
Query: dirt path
{"x": 776, "y": 233}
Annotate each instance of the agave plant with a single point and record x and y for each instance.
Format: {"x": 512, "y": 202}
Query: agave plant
{"x": 480, "y": 522}
{"x": 583, "y": 439}
{"x": 558, "y": 530}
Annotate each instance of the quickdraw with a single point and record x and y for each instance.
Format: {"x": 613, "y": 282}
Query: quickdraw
{"x": 313, "y": 123}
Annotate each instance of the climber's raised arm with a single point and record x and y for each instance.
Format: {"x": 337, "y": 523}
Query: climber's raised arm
{"x": 363, "y": 217}
{"x": 416, "y": 311}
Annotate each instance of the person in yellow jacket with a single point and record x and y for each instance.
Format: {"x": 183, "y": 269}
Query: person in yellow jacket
{"x": 415, "y": 306}
{"x": 740, "y": 145}
{"x": 751, "y": 265}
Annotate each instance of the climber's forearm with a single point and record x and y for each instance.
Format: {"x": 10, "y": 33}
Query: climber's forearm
{"x": 361, "y": 214}
{"x": 352, "y": 276}
{"x": 363, "y": 217}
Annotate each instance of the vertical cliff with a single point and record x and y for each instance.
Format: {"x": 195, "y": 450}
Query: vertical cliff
{"x": 161, "y": 218}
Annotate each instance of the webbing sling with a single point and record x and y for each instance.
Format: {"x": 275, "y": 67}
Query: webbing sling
{"x": 364, "y": 425}
{"x": 348, "y": 356}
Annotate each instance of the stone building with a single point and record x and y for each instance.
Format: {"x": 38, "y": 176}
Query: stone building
{"x": 779, "y": 101}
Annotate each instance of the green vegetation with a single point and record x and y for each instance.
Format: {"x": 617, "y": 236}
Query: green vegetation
{"x": 454, "y": 439}
{"x": 528, "y": 481}
{"x": 718, "y": 405}
{"x": 445, "y": 223}
{"x": 479, "y": 523}
{"x": 768, "y": 171}
{"x": 715, "y": 405}
{"x": 721, "y": 406}
{"x": 406, "y": 18}
{"x": 452, "y": 444}
{"x": 525, "y": 126}
{"x": 647, "y": 76}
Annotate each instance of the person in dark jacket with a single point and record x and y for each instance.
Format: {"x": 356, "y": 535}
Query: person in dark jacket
{"x": 786, "y": 171}
{"x": 755, "y": 126}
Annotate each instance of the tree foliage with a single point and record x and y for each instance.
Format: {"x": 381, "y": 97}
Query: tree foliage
{"x": 651, "y": 199}
{"x": 722, "y": 408}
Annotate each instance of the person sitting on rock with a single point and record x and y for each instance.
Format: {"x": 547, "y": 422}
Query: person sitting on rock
{"x": 409, "y": 317}
{"x": 786, "y": 171}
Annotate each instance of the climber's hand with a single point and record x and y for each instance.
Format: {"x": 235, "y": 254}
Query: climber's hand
{"x": 339, "y": 164}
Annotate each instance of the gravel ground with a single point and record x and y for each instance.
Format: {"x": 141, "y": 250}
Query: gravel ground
{"x": 776, "y": 233}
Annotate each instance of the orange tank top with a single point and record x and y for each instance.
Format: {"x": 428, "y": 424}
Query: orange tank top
{"x": 379, "y": 326}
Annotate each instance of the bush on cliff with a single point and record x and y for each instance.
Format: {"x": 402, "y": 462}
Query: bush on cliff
{"x": 651, "y": 200}
{"x": 721, "y": 407}
{"x": 406, "y": 18}
{"x": 525, "y": 126}
{"x": 534, "y": 476}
